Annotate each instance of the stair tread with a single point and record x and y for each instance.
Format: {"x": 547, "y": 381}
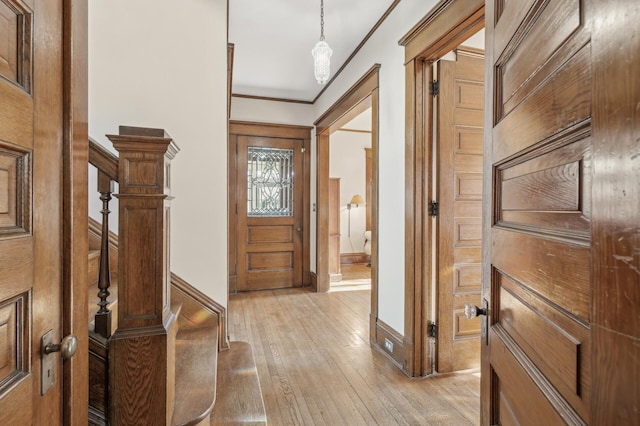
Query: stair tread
{"x": 195, "y": 384}
{"x": 238, "y": 396}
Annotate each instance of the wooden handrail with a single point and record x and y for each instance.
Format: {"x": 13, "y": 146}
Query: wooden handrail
{"x": 103, "y": 160}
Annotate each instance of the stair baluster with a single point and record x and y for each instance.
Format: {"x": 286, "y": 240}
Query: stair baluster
{"x": 103, "y": 316}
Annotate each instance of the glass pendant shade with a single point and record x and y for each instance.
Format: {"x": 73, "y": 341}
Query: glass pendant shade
{"x": 321, "y": 61}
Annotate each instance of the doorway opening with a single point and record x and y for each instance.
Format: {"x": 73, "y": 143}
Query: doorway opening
{"x": 350, "y": 204}
{"x": 360, "y": 100}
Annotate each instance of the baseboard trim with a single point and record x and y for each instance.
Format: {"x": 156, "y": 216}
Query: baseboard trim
{"x": 349, "y": 258}
{"x": 386, "y": 334}
{"x": 314, "y": 281}
{"x": 233, "y": 284}
{"x": 408, "y": 364}
{"x": 209, "y": 304}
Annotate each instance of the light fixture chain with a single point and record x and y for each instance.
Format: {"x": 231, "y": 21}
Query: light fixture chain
{"x": 321, "y": 19}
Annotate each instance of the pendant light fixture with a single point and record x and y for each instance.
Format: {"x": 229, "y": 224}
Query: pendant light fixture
{"x": 321, "y": 53}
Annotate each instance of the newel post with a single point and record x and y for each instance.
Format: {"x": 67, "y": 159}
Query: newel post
{"x": 142, "y": 349}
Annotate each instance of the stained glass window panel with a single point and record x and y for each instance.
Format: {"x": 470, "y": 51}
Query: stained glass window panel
{"x": 269, "y": 182}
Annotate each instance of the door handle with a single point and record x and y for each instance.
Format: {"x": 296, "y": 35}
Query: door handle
{"x": 471, "y": 311}
{"x": 67, "y": 347}
{"x": 298, "y": 227}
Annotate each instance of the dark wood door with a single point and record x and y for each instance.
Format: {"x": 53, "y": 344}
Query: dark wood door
{"x": 561, "y": 169}
{"x": 31, "y": 132}
{"x": 459, "y": 150}
{"x": 270, "y": 213}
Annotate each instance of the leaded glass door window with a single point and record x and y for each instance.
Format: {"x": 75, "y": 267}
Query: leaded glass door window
{"x": 269, "y": 182}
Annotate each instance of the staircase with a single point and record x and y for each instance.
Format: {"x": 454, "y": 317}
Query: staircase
{"x": 154, "y": 349}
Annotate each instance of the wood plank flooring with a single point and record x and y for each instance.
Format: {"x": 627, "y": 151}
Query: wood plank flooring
{"x": 316, "y": 366}
{"x": 355, "y": 276}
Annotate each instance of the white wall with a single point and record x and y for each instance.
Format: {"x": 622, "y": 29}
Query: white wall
{"x": 383, "y": 48}
{"x": 258, "y": 110}
{"x": 347, "y": 161}
{"x": 162, "y": 63}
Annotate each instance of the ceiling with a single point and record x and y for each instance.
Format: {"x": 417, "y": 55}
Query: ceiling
{"x": 273, "y": 41}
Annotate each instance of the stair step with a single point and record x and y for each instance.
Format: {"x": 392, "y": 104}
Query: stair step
{"x": 238, "y": 396}
{"x": 195, "y": 385}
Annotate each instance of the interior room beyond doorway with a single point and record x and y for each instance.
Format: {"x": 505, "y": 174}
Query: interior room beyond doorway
{"x": 350, "y": 201}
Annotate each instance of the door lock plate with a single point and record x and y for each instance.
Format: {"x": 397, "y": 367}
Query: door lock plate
{"x": 47, "y": 377}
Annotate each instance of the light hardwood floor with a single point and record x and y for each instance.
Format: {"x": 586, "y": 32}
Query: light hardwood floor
{"x": 316, "y": 366}
{"x": 355, "y": 276}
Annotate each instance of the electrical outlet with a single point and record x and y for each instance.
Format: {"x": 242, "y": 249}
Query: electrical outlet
{"x": 388, "y": 345}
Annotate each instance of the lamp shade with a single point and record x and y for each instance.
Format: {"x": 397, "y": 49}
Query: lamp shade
{"x": 357, "y": 199}
{"x": 321, "y": 61}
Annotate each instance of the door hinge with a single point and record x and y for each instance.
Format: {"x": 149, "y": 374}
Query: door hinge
{"x": 434, "y": 209}
{"x": 432, "y": 330}
{"x": 434, "y": 88}
{"x": 236, "y": 208}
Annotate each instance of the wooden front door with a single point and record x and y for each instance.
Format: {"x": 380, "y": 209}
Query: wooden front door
{"x": 270, "y": 212}
{"x": 561, "y": 236}
{"x": 31, "y": 146}
{"x": 459, "y": 150}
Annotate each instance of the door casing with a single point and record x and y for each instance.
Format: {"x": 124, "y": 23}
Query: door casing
{"x": 363, "y": 94}
{"x": 442, "y": 30}
{"x": 302, "y": 133}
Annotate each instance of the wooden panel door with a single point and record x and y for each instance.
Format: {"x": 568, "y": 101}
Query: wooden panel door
{"x": 537, "y": 364}
{"x": 335, "y": 273}
{"x": 460, "y": 119}
{"x": 270, "y": 213}
{"x": 30, "y": 208}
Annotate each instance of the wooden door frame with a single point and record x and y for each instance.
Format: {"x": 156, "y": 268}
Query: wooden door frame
{"x": 361, "y": 95}
{"x": 75, "y": 210}
{"x": 448, "y": 24}
{"x": 451, "y": 352}
{"x": 286, "y": 131}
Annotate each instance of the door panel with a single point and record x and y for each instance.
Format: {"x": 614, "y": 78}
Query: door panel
{"x": 538, "y": 243}
{"x": 30, "y": 207}
{"x": 270, "y": 213}
{"x": 460, "y": 115}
